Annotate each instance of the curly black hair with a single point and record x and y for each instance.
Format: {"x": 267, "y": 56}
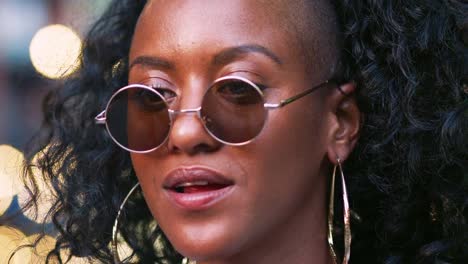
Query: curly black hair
{"x": 407, "y": 177}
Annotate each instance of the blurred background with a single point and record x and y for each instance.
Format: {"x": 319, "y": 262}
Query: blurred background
{"x": 40, "y": 41}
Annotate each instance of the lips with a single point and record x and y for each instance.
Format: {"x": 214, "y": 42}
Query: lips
{"x": 196, "y": 188}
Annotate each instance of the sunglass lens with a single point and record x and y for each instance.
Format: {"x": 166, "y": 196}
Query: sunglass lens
{"x": 233, "y": 111}
{"x": 138, "y": 119}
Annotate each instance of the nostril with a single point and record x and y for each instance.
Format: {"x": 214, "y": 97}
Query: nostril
{"x": 204, "y": 148}
{"x": 200, "y": 148}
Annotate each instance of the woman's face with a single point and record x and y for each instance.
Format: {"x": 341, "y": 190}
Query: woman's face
{"x": 232, "y": 201}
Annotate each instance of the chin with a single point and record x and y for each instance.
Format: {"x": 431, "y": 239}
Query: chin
{"x": 205, "y": 246}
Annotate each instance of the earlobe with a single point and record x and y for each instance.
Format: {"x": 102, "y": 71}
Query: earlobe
{"x": 345, "y": 124}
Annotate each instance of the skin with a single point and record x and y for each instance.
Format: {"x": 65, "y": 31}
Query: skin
{"x": 277, "y": 210}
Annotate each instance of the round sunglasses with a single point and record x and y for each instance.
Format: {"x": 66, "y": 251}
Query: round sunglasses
{"x": 233, "y": 111}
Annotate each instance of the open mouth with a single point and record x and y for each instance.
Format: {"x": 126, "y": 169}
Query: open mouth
{"x": 198, "y": 187}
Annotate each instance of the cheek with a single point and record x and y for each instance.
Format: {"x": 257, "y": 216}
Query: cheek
{"x": 284, "y": 168}
{"x": 294, "y": 139}
{"x": 294, "y": 152}
{"x": 146, "y": 170}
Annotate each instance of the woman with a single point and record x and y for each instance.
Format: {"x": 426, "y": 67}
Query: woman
{"x": 235, "y": 117}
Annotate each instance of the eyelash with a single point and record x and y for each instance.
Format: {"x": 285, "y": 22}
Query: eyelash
{"x": 261, "y": 86}
{"x": 162, "y": 90}
{"x": 243, "y": 73}
{"x": 157, "y": 86}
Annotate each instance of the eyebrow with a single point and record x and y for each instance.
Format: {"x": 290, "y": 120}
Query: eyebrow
{"x": 233, "y": 53}
{"x": 222, "y": 58}
{"x": 152, "y": 61}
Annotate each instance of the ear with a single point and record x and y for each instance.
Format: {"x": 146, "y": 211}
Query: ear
{"x": 345, "y": 122}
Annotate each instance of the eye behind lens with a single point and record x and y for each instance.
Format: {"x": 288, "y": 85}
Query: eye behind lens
{"x": 137, "y": 119}
{"x": 233, "y": 111}
{"x": 238, "y": 92}
{"x": 146, "y": 100}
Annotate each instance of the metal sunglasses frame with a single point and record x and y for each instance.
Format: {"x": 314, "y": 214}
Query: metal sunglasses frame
{"x": 100, "y": 119}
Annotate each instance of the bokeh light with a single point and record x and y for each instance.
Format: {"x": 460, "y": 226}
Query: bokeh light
{"x": 76, "y": 260}
{"x": 10, "y": 241}
{"x": 124, "y": 249}
{"x": 55, "y": 51}
{"x": 11, "y": 162}
{"x": 13, "y": 241}
{"x": 32, "y": 56}
{"x": 44, "y": 195}
{"x": 43, "y": 247}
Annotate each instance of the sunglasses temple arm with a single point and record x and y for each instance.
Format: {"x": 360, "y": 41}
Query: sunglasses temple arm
{"x": 101, "y": 118}
{"x": 295, "y": 97}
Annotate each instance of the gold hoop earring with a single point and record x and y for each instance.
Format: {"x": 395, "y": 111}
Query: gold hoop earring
{"x": 346, "y": 214}
{"x": 115, "y": 252}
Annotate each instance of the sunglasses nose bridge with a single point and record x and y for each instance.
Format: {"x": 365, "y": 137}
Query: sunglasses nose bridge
{"x": 193, "y": 111}
{"x": 175, "y": 113}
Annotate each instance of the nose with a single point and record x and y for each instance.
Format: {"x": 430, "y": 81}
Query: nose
{"x": 188, "y": 135}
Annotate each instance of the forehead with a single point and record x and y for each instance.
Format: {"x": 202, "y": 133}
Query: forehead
{"x": 180, "y": 25}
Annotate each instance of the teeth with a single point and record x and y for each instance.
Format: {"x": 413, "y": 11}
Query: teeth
{"x": 196, "y": 183}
